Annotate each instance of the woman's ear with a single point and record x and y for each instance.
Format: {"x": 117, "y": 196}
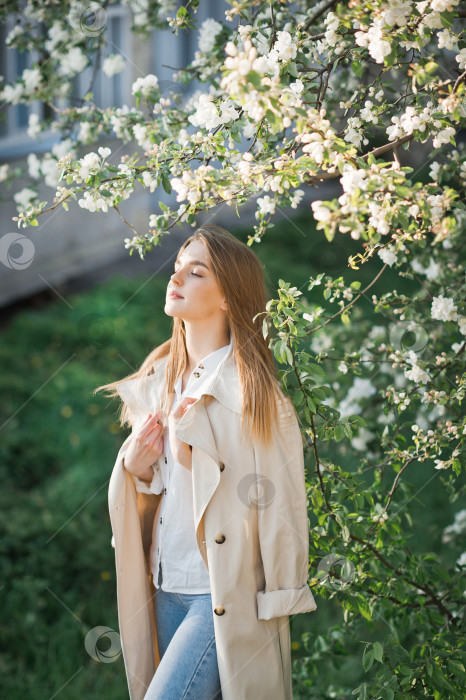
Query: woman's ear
{"x": 224, "y": 305}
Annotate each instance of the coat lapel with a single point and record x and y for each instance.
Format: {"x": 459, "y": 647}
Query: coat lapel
{"x": 143, "y": 394}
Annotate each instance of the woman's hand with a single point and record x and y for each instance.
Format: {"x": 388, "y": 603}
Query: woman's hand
{"x": 181, "y": 451}
{"x": 145, "y": 448}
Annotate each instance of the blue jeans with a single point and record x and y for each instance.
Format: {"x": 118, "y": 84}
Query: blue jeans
{"x": 188, "y": 668}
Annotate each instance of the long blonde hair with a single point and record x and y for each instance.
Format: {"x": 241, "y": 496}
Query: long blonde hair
{"x": 239, "y": 275}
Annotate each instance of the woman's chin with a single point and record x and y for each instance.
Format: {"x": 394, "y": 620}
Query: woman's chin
{"x": 170, "y": 311}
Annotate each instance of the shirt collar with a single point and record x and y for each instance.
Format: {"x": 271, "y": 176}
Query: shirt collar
{"x": 207, "y": 365}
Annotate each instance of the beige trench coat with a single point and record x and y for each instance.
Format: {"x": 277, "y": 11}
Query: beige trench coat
{"x": 252, "y": 530}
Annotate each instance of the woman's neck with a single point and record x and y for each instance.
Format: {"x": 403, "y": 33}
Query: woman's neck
{"x": 199, "y": 345}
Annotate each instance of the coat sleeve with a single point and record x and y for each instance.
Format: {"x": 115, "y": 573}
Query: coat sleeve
{"x": 283, "y": 523}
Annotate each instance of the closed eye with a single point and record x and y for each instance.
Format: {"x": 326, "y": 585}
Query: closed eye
{"x": 193, "y": 273}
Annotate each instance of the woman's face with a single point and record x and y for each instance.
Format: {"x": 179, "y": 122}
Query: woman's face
{"x": 199, "y": 296}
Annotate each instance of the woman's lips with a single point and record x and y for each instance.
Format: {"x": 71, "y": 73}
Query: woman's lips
{"x": 173, "y": 295}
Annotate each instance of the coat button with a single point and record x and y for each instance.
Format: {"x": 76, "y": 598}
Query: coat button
{"x": 220, "y": 539}
{"x": 165, "y": 460}
{"x": 200, "y": 366}
{"x": 222, "y": 466}
{"x": 219, "y": 610}
{"x": 197, "y": 374}
{"x": 160, "y": 518}
{"x": 165, "y": 490}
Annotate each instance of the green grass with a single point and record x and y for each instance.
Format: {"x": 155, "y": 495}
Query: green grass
{"x": 58, "y": 447}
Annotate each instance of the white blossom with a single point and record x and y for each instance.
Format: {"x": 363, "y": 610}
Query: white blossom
{"x": 93, "y": 204}
{"x": 207, "y": 34}
{"x": 266, "y": 205}
{"x": 387, "y": 256}
{"x": 85, "y": 132}
{"x": 24, "y": 197}
{"x": 145, "y": 85}
{"x": 417, "y": 374}
{"x": 434, "y": 170}
{"x": 360, "y": 389}
{"x": 461, "y": 59}
{"x": 360, "y": 441}
{"x": 462, "y": 324}
{"x": 284, "y": 47}
{"x": 446, "y": 40}
{"x": 442, "y": 5}
{"x": 320, "y": 212}
{"x": 433, "y": 271}
{"x": 366, "y": 113}
{"x": 12, "y": 93}
{"x": 443, "y": 309}
{"x": 113, "y": 64}
{"x": 50, "y": 171}
{"x": 89, "y": 164}
{"x": 140, "y": 132}
{"x": 397, "y": 13}
{"x": 33, "y": 166}
{"x": 296, "y": 198}
{"x": 374, "y": 41}
{"x": 31, "y": 77}
{"x": 4, "y": 168}
{"x": 353, "y": 179}
{"x": 72, "y": 62}
{"x": 443, "y": 136}
{"x": 149, "y": 180}
{"x": 206, "y": 115}
{"x": 58, "y": 38}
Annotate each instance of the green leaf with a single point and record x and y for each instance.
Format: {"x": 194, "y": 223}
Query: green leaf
{"x": 378, "y": 651}
{"x": 367, "y": 659}
{"x": 339, "y": 432}
{"x": 313, "y": 368}
{"x": 297, "y": 398}
{"x": 254, "y": 78}
{"x": 166, "y": 184}
{"x": 265, "y": 328}
{"x": 357, "y": 68}
{"x": 457, "y": 668}
{"x": 289, "y": 355}
{"x": 364, "y": 609}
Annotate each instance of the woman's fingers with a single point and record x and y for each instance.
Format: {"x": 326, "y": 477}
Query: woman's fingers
{"x": 150, "y": 423}
{"x": 183, "y": 406}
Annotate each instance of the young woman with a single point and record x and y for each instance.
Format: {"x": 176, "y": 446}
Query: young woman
{"x": 207, "y": 497}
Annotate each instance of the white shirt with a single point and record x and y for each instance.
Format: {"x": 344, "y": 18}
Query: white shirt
{"x": 175, "y": 546}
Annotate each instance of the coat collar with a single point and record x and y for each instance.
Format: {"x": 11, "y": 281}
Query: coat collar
{"x": 142, "y": 394}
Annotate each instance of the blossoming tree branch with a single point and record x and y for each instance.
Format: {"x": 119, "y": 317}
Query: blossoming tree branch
{"x": 296, "y": 94}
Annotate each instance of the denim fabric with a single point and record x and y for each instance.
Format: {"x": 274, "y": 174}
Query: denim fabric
{"x": 188, "y": 668}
